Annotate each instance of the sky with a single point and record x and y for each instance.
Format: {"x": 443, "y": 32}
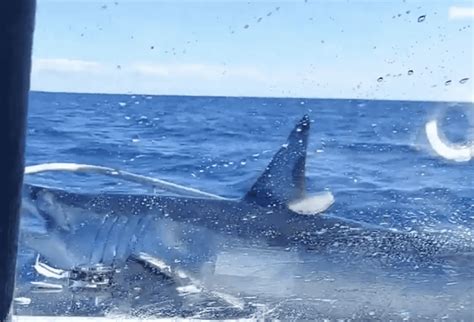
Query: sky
{"x": 403, "y": 50}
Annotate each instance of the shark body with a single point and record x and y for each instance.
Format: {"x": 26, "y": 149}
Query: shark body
{"x": 188, "y": 234}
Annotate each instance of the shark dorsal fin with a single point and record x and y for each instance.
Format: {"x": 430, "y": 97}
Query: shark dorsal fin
{"x": 283, "y": 180}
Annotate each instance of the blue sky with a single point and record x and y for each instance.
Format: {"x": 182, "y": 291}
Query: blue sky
{"x": 327, "y": 49}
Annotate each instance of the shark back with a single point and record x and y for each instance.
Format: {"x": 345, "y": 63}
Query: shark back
{"x": 283, "y": 180}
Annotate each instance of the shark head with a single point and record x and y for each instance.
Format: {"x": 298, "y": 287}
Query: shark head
{"x": 60, "y": 231}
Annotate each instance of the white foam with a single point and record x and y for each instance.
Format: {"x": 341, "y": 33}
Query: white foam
{"x": 458, "y": 153}
{"x": 47, "y": 286}
{"x": 22, "y": 300}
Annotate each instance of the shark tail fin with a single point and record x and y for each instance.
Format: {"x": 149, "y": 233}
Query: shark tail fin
{"x": 283, "y": 180}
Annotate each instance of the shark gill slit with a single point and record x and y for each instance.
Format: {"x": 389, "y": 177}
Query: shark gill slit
{"x": 125, "y": 238}
{"x": 96, "y": 255}
{"x": 142, "y": 224}
{"x": 106, "y": 243}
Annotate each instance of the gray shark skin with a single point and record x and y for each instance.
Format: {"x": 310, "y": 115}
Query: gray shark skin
{"x": 257, "y": 245}
{"x": 89, "y": 229}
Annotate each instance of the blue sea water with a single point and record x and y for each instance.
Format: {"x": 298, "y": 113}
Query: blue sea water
{"x": 372, "y": 155}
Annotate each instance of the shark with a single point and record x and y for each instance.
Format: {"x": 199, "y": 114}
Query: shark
{"x": 192, "y": 238}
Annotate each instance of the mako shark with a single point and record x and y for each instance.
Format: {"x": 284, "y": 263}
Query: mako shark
{"x": 183, "y": 236}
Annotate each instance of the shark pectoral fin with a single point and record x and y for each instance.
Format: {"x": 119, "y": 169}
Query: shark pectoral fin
{"x": 283, "y": 181}
{"x": 177, "y": 275}
{"x": 312, "y": 205}
{"x": 187, "y": 284}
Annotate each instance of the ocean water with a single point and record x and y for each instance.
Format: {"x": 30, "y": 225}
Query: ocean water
{"x": 372, "y": 155}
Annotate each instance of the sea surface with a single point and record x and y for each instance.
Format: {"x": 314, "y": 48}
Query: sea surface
{"x": 372, "y": 155}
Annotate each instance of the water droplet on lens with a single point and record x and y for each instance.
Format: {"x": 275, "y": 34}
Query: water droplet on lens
{"x": 380, "y": 79}
{"x": 448, "y": 82}
{"x": 421, "y": 18}
{"x": 463, "y": 80}
{"x": 410, "y": 72}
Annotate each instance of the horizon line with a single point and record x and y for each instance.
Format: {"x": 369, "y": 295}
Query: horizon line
{"x": 259, "y": 97}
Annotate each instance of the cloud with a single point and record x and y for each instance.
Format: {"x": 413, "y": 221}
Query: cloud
{"x": 203, "y": 71}
{"x": 456, "y": 13}
{"x": 73, "y": 75}
{"x": 139, "y": 77}
{"x": 151, "y": 70}
{"x": 65, "y": 65}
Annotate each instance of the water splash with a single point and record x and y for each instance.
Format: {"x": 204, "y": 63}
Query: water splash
{"x": 458, "y": 153}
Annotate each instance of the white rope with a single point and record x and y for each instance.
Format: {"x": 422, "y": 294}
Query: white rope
{"x": 128, "y": 176}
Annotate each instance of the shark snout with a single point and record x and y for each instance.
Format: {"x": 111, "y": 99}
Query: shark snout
{"x": 41, "y": 206}
{"x": 33, "y": 224}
